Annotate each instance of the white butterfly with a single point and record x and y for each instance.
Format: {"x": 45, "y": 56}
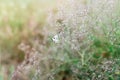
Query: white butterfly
{"x": 56, "y": 39}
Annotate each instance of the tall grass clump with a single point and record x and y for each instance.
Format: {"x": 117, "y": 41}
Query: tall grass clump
{"x": 84, "y": 46}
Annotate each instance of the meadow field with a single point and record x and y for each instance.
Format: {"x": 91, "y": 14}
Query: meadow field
{"x": 60, "y": 40}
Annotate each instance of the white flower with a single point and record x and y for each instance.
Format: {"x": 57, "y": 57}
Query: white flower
{"x": 56, "y": 39}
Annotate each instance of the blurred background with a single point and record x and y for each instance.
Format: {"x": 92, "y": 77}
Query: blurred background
{"x": 19, "y": 20}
